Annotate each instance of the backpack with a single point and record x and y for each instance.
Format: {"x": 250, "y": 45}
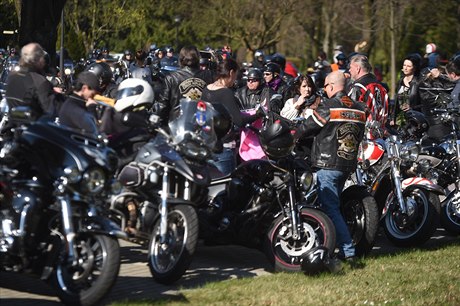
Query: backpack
{"x": 376, "y": 98}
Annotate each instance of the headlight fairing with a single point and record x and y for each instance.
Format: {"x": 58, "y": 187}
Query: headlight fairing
{"x": 409, "y": 151}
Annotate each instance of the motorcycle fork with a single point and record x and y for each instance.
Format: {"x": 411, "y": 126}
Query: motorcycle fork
{"x": 294, "y": 214}
{"x": 396, "y": 176}
{"x": 66, "y": 214}
{"x": 164, "y": 205}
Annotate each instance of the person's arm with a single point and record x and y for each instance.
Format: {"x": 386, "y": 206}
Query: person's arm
{"x": 314, "y": 123}
{"x": 289, "y": 110}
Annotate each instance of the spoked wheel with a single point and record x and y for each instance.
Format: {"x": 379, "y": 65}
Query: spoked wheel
{"x": 169, "y": 260}
{"x": 418, "y": 224}
{"x": 284, "y": 252}
{"x": 94, "y": 274}
{"x": 450, "y": 213}
{"x": 360, "y": 212}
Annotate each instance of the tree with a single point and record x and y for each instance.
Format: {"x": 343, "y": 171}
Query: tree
{"x": 38, "y": 23}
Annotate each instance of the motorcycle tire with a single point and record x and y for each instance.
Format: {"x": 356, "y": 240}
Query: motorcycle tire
{"x": 450, "y": 214}
{"x": 360, "y": 211}
{"x": 96, "y": 273}
{"x": 418, "y": 228}
{"x": 285, "y": 253}
{"x": 169, "y": 261}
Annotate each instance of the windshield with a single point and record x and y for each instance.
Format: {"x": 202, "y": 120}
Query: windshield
{"x": 195, "y": 122}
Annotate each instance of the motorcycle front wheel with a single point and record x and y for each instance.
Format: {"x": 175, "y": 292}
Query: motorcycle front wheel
{"x": 169, "y": 260}
{"x": 95, "y": 273}
{"x": 450, "y": 213}
{"x": 284, "y": 252}
{"x": 360, "y": 211}
{"x": 419, "y": 223}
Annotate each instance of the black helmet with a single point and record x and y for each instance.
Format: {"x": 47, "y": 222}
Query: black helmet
{"x": 341, "y": 57}
{"x": 315, "y": 261}
{"x": 102, "y": 71}
{"x": 276, "y": 140}
{"x": 259, "y": 53}
{"x": 254, "y": 73}
{"x": 279, "y": 59}
{"x": 128, "y": 52}
{"x": 416, "y": 123}
{"x": 273, "y": 68}
{"x": 169, "y": 49}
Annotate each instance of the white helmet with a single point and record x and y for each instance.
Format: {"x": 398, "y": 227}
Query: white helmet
{"x": 430, "y": 48}
{"x": 133, "y": 93}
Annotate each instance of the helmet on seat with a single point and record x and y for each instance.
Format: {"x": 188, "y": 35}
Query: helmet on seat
{"x": 276, "y": 140}
{"x": 102, "y": 71}
{"x": 416, "y": 123}
{"x": 133, "y": 93}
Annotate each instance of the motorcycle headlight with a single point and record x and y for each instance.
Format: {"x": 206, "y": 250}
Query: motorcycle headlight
{"x": 72, "y": 174}
{"x": 67, "y": 71}
{"x": 306, "y": 180}
{"x": 409, "y": 151}
{"x": 93, "y": 180}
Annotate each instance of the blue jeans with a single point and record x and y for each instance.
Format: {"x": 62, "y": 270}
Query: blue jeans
{"x": 225, "y": 161}
{"x": 330, "y": 185}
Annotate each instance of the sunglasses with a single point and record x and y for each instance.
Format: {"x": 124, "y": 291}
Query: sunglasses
{"x": 267, "y": 73}
{"x": 252, "y": 80}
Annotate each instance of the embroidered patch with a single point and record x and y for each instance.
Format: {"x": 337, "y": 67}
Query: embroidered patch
{"x": 348, "y": 141}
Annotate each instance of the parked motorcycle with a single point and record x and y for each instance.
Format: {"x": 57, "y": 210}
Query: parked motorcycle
{"x": 254, "y": 206}
{"x": 440, "y": 162}
{"x": 54, "y": 184}
{"x": 409, "y": 205}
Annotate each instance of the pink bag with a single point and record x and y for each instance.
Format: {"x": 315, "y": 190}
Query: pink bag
{"x": 249, "y": 141}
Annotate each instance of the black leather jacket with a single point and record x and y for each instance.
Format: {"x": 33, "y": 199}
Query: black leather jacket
{"x": 186, "y": 82}
{"x": 30, "y": 88}
{"x": 413, "y": 96}
{"x": 338, "y": 126}
{"x": 248, "y": 99}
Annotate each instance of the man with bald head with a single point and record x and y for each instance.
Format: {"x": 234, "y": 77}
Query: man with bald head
{"x": 29, "y": 86}
{"x": 338, "y": 127}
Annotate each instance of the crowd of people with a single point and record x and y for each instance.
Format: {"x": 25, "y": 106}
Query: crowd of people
{"x": 332, "y": 103}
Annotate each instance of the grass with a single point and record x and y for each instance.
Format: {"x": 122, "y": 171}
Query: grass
{"x": 410, "y": 277}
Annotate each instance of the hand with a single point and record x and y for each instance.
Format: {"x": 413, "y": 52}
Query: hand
{"x": 434, "y": 73}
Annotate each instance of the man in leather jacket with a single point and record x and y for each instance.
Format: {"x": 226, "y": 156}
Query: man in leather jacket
{"x": 338, "y": 126}
{"x": 189, "y": 82}
{"x": 254, "y": 92}
{"x": 29, "y": 86}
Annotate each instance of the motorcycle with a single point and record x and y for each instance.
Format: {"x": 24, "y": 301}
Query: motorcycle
{"x": 409, "y": 205}
{"x": 254, "y": 206}
{"x": 54, "y": 184}
{"x": 358, "y": 206}
{"x": 440, "y": 162}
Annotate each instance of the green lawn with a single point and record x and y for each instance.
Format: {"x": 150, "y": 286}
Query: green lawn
{"x": 410, "y": 277}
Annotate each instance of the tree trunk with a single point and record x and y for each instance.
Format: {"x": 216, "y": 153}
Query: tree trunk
{"x": 39, "y": 21}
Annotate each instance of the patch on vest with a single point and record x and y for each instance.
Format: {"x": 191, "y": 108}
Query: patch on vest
{"x": 192, "y": 88}
{"x": 348, "y": 141}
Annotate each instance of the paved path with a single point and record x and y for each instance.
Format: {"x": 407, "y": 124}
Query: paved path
{"x": 135, "y": 282}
